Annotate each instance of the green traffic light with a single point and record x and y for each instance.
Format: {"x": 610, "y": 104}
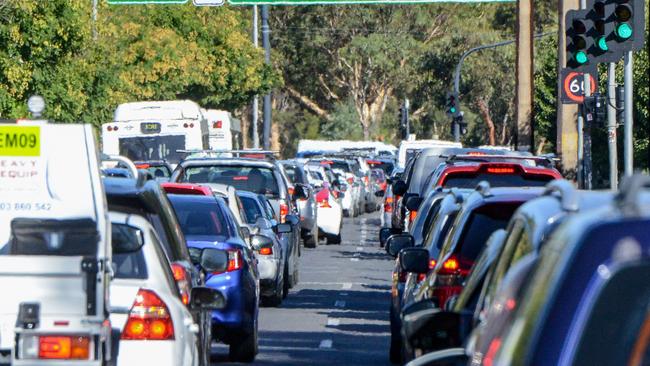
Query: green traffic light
{"x": 452, "y": 110}
{"x": 602, "y": 44}
{"x": 624, "y": 31}
{"x": 581, "y": 57}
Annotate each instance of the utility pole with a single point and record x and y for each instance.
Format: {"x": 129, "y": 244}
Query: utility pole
{"x": 611, "y": 126}
{"x": 266, "y": 43}
{"x": 567, "y": 114}
{"x": 584, "y": 131}
{"x": 94, "y": 20}
{"x": 407, "y": 122}
{"x": 525, "y": 86}
{"x": 256, "y": 135}
{"x": 629, "y": 121}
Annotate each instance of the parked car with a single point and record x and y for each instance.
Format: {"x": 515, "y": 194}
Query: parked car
{"x": 307, "y": 208}
{"x": 146, "y": 307}
{"x": 272, "y": 256}
{"x": 253, "y": 175}
{"x": 208, "y": 224}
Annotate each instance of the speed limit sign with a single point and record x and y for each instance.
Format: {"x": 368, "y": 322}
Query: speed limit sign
{"x": 573, "y": 86}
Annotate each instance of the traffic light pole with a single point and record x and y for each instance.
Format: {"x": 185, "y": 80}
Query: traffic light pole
{"x": 629, "y": 122}
{"x": 611, "y": 126}
{"x": 584, "y": 134}
{"x": 256, "y": 135}
{"x": 266, "y": 43}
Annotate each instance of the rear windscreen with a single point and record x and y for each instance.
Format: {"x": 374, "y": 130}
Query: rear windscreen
{"x": 341, "y": 166}
{"x": 386, "y": 166}
{"x": 159, "y": 171}
{"x": 200, "y": 218}
{"x": 471, "y": 180}
{"x": 244, "y": 178}
{"x": 481, "y": 224}
{"x": 153, "y": 148}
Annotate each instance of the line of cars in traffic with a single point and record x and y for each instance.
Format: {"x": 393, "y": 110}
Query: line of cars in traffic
{"x": 498, "y": 261}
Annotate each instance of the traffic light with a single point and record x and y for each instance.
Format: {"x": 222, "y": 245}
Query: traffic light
{"x": 577, "y": 40}
{"x": 596, "y": 108}
{"x": 452, "y": 105}
{"x": 462, "y": 125}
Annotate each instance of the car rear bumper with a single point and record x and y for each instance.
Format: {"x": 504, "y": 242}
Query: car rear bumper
{"x": 268, "y": 269}
{"x": 159, "y": 353}
{"x": 329, "y": 220}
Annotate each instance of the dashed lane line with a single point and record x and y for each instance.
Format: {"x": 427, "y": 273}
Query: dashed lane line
{"x": 346, "y": 286}
{"x": 339, "y": 304}
{"x": 326, "y": 343}
{"x": 333, "y": 322}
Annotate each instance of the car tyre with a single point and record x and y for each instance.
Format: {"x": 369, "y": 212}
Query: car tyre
{"x": 275, "y": 300}
{"x": 285, "y": 281}
{"x": 334, "y": 239}
{"x": 346, "y": 213}
{"x": 395, "y": 352}
{"x": 246, "y": 349}
{"x": 311, "y": 239}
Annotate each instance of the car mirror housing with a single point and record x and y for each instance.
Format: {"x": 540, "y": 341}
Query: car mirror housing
{"x": 414, "y": 260}
{"x": 396, "y": 243}
{"x": 261, "y": 241}
{"x": 300, "y": 192}
{"x": 214, "y": 260}
{"x": 399, "y": 188}
{"x": 433, "y": 329}
{"x": 284, "y": 228}
{"x": 205, "y": 298}
{"x": 292, "y": 220}
{"x": 413, "y": 203}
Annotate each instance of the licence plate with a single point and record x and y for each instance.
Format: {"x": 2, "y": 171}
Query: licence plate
{"x": 150, "y": 127}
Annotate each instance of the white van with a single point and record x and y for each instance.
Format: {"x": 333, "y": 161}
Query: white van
{"x": 225, "y": 130}
{"x": 409, "y": 148}
{"x": 55, "y": 248}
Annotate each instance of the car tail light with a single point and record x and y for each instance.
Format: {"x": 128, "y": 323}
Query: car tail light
{"x": 366, "y": 180}
{"x": 496, "y": 170}
{"x": 388, "y": 205}
{"x": 266, "y": 251}
{"x": 60, "y": 347}
{"x": 350, "y": 180}
{"x": 235, "y": 260}
{"x": 291, "y": 190}
{"x": 324, "y": 204}
{"x": 182, "y": 279}
{"x": 402, "y": 276}
{"x": 284, "y": 211}
{"x": 422, "y": 276}
{"x": 217, "y": 124}
{"x": 450, "y": 266}
{"x": 494, "y": 347}
{"x": 149, "y": 319}
{"x": 412, "y": 215}
{"x": 142, "y": 166}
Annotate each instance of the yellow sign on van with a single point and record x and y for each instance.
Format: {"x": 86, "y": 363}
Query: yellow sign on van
{"x": 20, "y": 140}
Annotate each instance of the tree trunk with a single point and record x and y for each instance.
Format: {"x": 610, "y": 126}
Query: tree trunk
{"x": 485, "y": 114}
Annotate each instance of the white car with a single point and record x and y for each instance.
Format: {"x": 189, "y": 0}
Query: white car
{"x": 330, "y": 210}
{"x": 146, "y": 307}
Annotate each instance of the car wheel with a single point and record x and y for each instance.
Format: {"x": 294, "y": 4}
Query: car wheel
{"x": 395, "y": 352}
{"x": 275, "y": 300}
{"x": 334, "y": 239}
{"x": 311, "y": 239}
{"x": 346, "y": 213}
{"x": 285, "y": 281}
{"x": 246, "y": 349}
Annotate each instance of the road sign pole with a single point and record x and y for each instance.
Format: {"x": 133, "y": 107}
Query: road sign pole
{"x": 611, "y": 126}
{"x": 266, "y": 43}
{"x": 256, "y": 134}
{"x": 583, "y": 174}
{"x": 629, "y": 121}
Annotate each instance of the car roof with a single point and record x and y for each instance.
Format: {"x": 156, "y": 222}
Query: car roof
{"x": 226, "y": 161}
{"x": 193, "y": 198}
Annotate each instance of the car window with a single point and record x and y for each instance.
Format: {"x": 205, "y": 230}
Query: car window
{"x": 129, "y": 265}
{"x": 251, "y": 209}
{"x": 253, "y": 179}
{"x": 160, "y": 171}
{"x": 471, "y": 180}
{"x": 200, "y": 218}
{"x": 504, "y": 259}
{"x": 294, "y": 174}
{"x": 617, "y": 331}
{"x": 270, "y": 213}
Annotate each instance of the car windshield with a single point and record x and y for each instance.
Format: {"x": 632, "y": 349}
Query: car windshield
{"x": 470, "y": 180}
{"x": 251, "y": 209}
{"x": 245, "y": 178}
{"x": 481, "y": 224}
{"x": 200, "y": 217}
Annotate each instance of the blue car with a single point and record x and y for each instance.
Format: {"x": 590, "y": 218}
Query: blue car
{"x": 207, "y": 222}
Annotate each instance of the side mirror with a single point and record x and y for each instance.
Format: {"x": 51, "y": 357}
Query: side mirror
{"x": 246, "y": 233}
{"x": 380, "y": 193}
{"x": 384, "y": 234}
{"x": 396, "y": 243}
{"x": 263, "y": 223}
{"x": 205, "y": 298}
{"x": 126, "y": 239}
{"x": 260, "y": 242}
{"x": 292, "y": 219}
{"x": 415, "y": 260}
{"x": 413, "y": 203}
{"x": 389, "y": 180}
{"x": 214, "y": 260}
{"x": 431, "y": 330}
{"x": 399, "y": 188}
{"x": 284, "y": 228}
{"x": 300, "y": 192}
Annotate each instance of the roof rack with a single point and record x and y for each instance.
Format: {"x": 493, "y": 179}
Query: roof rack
{"x": 238, "y": 153}
{"x": 483, "y": 188}
{"x": 631, "y": 187}
{"x": 140, "y": 178}
{"x": 567, "y": 193}
{"x": 549, "y": 163}
{"x": 459, "y": 199}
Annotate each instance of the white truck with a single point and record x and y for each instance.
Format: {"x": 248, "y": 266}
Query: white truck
{"x": 55, "y": 247}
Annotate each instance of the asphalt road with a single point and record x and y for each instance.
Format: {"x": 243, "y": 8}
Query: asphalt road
{"x": 338, "y": 313}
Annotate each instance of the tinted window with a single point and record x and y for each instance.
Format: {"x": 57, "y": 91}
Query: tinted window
{"x": 152, "y": 148}
{"x": 252, "y": 179}
{"x": 200, "y": 218}
{"x": 464, "y": 180}
{"x": 294, "y": 174}
{"x": 130, "y": 265}
{"x": 386, "y": 166}
{"x": 159, "y": 171}
{"x": 480, "y": 225}
{"x": 341, "y": 165}
{"x": 251, "y": 209}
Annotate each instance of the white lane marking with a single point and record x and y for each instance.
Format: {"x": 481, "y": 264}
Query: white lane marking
{"x": 333, "y": 322}
{"x": 343, "y": 294}
{"x": 360, "y": 249}
{"x": 325, "y": 343}
{"x": 339, "y": 304}
{"x": 347, "y": 286}
{"x": 354, "y": 259}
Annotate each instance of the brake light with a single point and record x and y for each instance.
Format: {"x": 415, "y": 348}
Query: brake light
{"x": 142, "y": 166}
{"x": 412, "y": 215}
{"x": 182, "y": 279}
{"x": 366, "y": 180}
{"x": 432, "y": 264}
{"x": 243, "y": 177}
{"x": 266, "y": 251}
{"x": 501, "y": 170}
{"x": 327, "y": 162}
{"x": 284, "y": 211}
{"x": 450, "y": 266}
{"x": 373, "y": 162}
{"x": 492, "y": 352}
{"x": 217, "y": 124}
{"x": 476, "y": 153}
{"x": 350, "y": 180}
{"x": 149, "y": 319}
{"x": 64, "y": 347}
{"x": 291, "y": 190}
{"x": 388, "y": 204}
{"x": 324, "y": 204}
{"x": 235, "y": 260}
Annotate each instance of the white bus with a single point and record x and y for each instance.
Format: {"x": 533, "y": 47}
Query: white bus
{"x": 224, "y": 130}
{"x": 144, "y": 131}
{"x": 409, "y": 148}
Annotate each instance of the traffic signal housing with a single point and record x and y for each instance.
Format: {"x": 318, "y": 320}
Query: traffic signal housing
{"x": 452, "y": 105}
{"x": 578, "y": 42}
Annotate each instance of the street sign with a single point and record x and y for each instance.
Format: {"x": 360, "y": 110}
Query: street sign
{"x": 129, "y": 2}
{"x": 341, "y": 2}
{"x": 573, "y": 86}
{"x": 208, "y": 2}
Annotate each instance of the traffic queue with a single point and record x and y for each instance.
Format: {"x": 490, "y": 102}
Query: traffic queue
{"x": 499, "y": 261}
{"x": 105, "y": 259}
